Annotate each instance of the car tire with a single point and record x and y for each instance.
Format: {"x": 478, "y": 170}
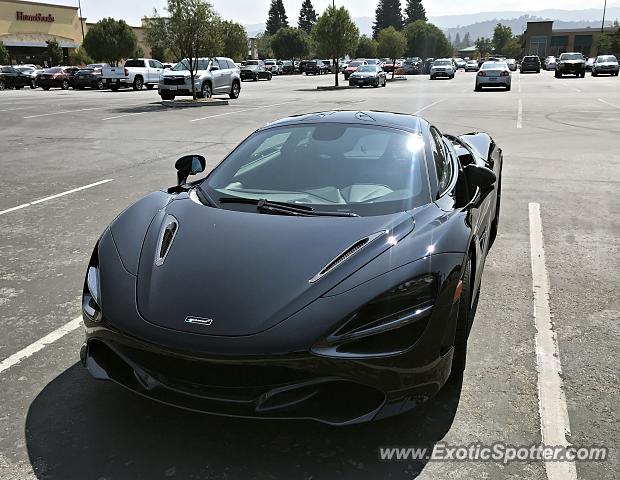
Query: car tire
{"x": 478, "y": 88}
{"x": 594, "y": 74}
{"x": 138, "y": 83}
{"x": 495, "y": 221}
{"x": 65, "y": 85}
{"x": 269, "y": 77}
{"x": 205, "y": 91}
{"x": 114, "y": 88}
{"x": 463, "y": 324}
{"x": 33, "y": 85}
{"x": 234, "y": 90}
{"x": 583, "y": 74}
{"x": 255, "y": 78}
{"x": 149, "y": 86}
{"x": 99, "y": 85}
{"x": 167, "y": 96}
{"x": 557, "y": 74}
{"x": 508, "y": 87}
{"x": 2, "y": 85}
{"x": 45, "y": 88}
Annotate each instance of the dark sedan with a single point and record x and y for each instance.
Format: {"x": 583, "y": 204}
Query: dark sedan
{"x": 89, "y": 77}
{"x": 316, "y": 67}
{"x": 57, "y": 77}
{"x": 13, "y": 78}
{"x": 412, "y": 66}
{"x": 329, "y": 268}
{"x": 254, "y": 70}
{"x": 531, "y": 63}
{"x": 368, "y": 75}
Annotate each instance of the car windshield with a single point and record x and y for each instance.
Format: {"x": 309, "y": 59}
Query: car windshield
{"x": 367, "y": 68}
{"x": 355, "y": 64}
{"x": 493, "y": 65}
{"x": 134, "y": 63}
{"x": 372, "y": 61}
{"x": 606, "y": 58}
{"x": 349, "y": 168}
{"x": 530, "y": 59}
{"x": 183, "y": 65}
{"x": 53, "y": 70}
{"x": 571, "y": 56}
{"x": 442, "y": 62}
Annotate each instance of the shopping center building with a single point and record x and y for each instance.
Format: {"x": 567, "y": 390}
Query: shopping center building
{"x": 26, "y": 26}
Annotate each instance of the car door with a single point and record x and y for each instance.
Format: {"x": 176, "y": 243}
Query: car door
{"x": 225, "y": 75}
{"x": 9, "y": 76}
{"x": 155, "y": 70}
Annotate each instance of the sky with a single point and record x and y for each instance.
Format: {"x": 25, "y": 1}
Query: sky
{"x": 255, "y": 11}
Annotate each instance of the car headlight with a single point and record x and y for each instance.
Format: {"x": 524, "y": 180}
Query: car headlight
{"x": 91, "y": 295}
{"x": 390, "y": 324}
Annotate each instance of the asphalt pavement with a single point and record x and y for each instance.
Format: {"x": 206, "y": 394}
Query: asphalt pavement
{"x": 73, "y": 160}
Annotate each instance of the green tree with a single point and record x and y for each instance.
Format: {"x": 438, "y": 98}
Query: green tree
{"x": 457, "y": 40}
{"x": 191, "y": 29}
{"x": 414, "y": 10}
{"x": 484, "y": 46}
{"x": 387, "y": 14}
{"x": 276, "y": 17}
{"x": 53, "y": 53}
{"x": 263, "y": 46}
{"x": 391, "y": 44}
{"x": 5, "y": 58}
{"x": 466, "y": 41}
{"x": 609, "y": 42}
{"x": 513, "y": 48}
{"x": 335, "y": 35}
{"x": 80, "y": 56}
{"x": 110, "y": 41}
{"x": 307, "y": 16}
{"x": 290, "y": 43}
{"x": 426, "y": 40}
{"x": 235, "y": 41}
{"x": 501, "y": 36}
{"x": 366, "y": 48}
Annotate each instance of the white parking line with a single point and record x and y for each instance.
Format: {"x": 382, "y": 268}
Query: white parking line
{"x": 239, "y": 111}
{"x": 40, "y": 344}
{"x": 124, "y": 115}
{"x": 607, "y": 103}
{"x": 520, "y": 114}
{"x": 554, "y": 421}
{"x": 519, "y": 83}
{"x": 66, "y": 111}
{"x": 429, "y": 106}
{"x": 51, "y": 197}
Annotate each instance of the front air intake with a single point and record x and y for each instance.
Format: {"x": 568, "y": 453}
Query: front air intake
{"x": 348, "y": 253}
{"x": 166, "y": 237}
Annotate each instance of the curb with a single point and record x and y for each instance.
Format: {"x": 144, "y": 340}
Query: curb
{"x": 192, "y": 104}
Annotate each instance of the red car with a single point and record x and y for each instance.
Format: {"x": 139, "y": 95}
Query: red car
{"x": 352, "y": 67}
{"x": 59, "y": 77}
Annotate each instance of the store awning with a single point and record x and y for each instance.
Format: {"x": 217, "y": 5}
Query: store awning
{"x": 15, "y": 43}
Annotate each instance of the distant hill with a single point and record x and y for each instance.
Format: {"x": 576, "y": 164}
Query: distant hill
{"x": 482, "y": 24}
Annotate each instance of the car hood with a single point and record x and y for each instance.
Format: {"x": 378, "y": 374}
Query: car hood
{"x": 364, "y": 74}
{"x": 249, "y": 67}
{"x": 572, "y": 62}
{"x": 236, "y": 273}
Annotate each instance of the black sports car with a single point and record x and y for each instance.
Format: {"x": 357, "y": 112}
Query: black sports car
{"x": 329, "y": 269}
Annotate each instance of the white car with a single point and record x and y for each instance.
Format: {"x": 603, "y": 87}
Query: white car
{"x": 272, "y": 66}
{"x": 136, "y": 73}
{"x": 215, "y": 76}
{"x": 442, "y": 67}
{"x": 493, "y": 74}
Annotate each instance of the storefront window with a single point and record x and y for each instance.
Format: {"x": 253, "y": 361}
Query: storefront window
{"x": 538, "y": 46}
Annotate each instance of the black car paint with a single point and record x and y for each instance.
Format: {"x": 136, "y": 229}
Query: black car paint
{"x": 250, "y": 258}
{"x": 12, "y": 78}
{"x": 255, "y": 72}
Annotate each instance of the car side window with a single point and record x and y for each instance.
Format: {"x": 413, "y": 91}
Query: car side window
{"x": 223, "y": 64}
{"x": 443, "y": 161}
{"x": 231, "y": 64}
{"x": 158, "y": 64}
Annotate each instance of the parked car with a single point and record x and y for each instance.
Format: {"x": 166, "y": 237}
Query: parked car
{"x": 428, "y": 63}
{"x": 302, "y": 65}
{"x": 368, "y": 75}
{"x": 589, "y": 62}
{"x": 89, "y": 77}
{"x": 471, "y": 66}
{"x": 531, "y": 63}
{"x": 215, "y": 76}
{"x": 512, "y": 64}
{"x": 442, "y": 67}
{"x": 316, "y": 67}
{"x": 57, "y": 77}
{"x": 10, "y": 77}
{"x": 493, "y": 74}
{"x": 288, "y": 67}
{"x": 30, "y": 71}
{"x": 572, "y": 63}
{"x": 187, "y": 299}
{"x": 271, "y": 65}
{"x": 392, "y": 65}
{"x": 255, "y": 70}
{"x": 136, "y": 73}
{"x": 460, "y": 63}
{"x": 352, "y": 66}
{"x": 550, "y": 63}
{"x": 605, "y": 64}
{"x": 412, "y": 66}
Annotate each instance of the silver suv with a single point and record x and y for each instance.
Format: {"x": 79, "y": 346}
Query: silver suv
{"x": 215, "y": 76}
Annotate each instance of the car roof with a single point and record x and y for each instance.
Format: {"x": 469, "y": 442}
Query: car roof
{"x": 401, "y": 121}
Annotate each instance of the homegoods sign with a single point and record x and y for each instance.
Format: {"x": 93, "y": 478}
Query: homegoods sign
{"x": 37, "y": 17}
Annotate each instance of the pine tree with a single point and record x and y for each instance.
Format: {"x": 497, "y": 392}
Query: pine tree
{"x": 276, "y": 18}
{"x": 414, "y": 11}
{"x": 450, "y": 38}
{"x": 387, "y": 14}
{"x": 307, "y": 16}
{"x": 467, "y": 40}
{"x": 457, "y": 40}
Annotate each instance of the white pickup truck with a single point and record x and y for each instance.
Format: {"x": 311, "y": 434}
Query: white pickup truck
{"x": 136, "y": 73}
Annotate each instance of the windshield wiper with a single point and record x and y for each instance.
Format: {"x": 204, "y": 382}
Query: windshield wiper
{"x": 283, "y": 208}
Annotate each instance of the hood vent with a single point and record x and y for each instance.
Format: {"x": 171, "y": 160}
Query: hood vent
{"x": 348, "y": 253}
{"x": 166, "y": 237}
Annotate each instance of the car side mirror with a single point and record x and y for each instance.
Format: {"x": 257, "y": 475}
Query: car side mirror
{"x": 481, "y": 178}
{"x": 214, "y": 68}
{"x": 189, "y": 165}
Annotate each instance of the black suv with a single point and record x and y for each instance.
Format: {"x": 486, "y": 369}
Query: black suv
{"x": 572, "y": 63}
{"x": 531, "y": 63}
{"x": 12, "y": 78}
{"x": 316, "y": 67}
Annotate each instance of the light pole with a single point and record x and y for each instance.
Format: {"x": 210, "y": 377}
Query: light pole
{"x": 81, "y": 19}
{"x": 603, "y": 24}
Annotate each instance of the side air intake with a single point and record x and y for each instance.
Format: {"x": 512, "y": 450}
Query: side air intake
{"x": 166, "y": 237}
{"x": 348, "y": 253}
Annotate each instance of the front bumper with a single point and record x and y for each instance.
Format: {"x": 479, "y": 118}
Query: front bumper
{"x": 441, "y": 73}
{"x": 363, "y": 81}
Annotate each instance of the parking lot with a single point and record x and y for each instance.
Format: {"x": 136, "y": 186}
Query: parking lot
{"x": 106, "y": 149}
